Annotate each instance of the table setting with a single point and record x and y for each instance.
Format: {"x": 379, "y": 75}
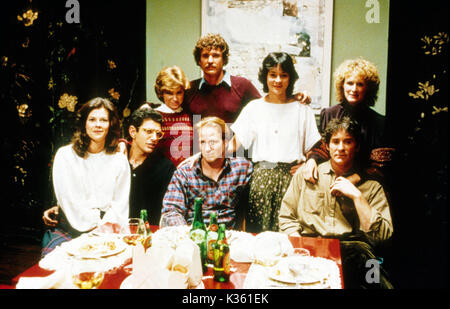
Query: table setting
{"x": 107, "y": 258}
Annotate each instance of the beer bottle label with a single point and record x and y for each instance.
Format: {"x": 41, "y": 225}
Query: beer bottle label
{"x": 226, "y": 263}
{"x": 198, "y": 236}
{"x": 212, "y": 238}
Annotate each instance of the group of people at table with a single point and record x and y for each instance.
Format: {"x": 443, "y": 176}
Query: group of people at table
{"x": 296, "y": 177}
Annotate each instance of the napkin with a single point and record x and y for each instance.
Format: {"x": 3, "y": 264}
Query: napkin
{"x": 270, "y": 246}
{"x": 165, "y": 267}
{"x": 52, "y": 281}
{"x": 109, "y": 227}
{"x": 241, "y": 247}
{"x": 140, "y": 269}
{"x": 187, "y": 254}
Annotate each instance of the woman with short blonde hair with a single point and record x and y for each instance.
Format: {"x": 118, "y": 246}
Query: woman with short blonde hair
{"x": 170, "y": 78}
{"x": 170, "y": 86}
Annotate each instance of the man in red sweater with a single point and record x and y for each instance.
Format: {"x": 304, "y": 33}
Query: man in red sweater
{"x": 217, "y": 93}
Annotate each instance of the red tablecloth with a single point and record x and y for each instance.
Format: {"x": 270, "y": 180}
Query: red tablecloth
{"x": 318, "y": 247}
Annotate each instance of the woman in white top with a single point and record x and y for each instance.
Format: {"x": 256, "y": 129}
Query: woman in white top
{"x": 280, "y": 131}
{"x": 91, "y": 180}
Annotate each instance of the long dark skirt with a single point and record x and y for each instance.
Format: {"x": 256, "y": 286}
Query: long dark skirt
{"x": 268, "y": 185}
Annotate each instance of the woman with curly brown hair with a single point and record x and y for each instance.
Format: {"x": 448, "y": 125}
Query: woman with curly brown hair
{"x": 90, "y": 179}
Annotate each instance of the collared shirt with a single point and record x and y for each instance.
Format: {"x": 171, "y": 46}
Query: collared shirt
{"x": 225, "y": 79}
{"x": 166, "y": 109}
{"x": 220, "y": 196}
{"x": 224, "y": 100}
{"x": 311, "y": 210}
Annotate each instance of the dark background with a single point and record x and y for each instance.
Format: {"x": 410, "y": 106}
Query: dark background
{"x": 75, "y": 57}
{"x": 417, "y": 256}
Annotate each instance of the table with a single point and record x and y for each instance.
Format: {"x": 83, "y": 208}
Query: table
{"x": 318, "y": 247}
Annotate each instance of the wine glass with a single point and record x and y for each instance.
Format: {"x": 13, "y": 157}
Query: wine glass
{"x": 135, "y": 231}
{"x": 171, "y": 219}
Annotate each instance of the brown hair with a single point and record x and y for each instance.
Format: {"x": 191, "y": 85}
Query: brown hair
{"x": 81, "y": 140}
{"x": 345, "y": 123}
{"x": 211, "y": 41}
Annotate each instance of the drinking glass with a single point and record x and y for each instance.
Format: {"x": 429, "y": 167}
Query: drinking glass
{"x": 135, "y": 231}
{"x": 171, "y": 219}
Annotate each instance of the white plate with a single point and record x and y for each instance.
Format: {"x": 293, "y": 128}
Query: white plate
{"x": 92, "y": 247}
{"x": 297, "y": 270}
{"x": 127, "y": 284}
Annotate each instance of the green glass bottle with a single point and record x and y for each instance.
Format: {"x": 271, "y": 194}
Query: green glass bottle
{"x": 221, "y": 257}
{"x": 148, "y": 238}
{"x": 198, "y": 232}
{"x": 211, "y": 236}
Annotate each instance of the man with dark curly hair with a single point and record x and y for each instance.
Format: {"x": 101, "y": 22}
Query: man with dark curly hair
{"x": 358, "y": 215}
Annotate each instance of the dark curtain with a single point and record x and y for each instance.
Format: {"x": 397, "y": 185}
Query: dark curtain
{"x": 420, "y": 176}
{"x": 42, "y": 61}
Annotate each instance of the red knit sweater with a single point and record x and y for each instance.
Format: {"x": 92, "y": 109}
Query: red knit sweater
{"x": 178, "y": 134}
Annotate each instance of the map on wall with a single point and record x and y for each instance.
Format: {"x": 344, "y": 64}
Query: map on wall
{"x": 254, "y": 28}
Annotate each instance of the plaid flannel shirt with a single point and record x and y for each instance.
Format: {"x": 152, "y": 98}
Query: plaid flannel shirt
{"x": 222, "y": 196}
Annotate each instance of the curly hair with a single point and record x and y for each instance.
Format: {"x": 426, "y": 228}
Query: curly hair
{"x": 170, "y": 78}
{"x": 286, "y": 63}
{"x": 211, "y": 41}
{"x": 366, "y": 70}
{"x": 80, "y": 139}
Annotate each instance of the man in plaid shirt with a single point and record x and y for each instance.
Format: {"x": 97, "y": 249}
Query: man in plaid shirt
{"x": 221, "y": 182}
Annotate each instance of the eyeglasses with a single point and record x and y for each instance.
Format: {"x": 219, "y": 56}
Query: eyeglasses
{"x": 158, "y": 134}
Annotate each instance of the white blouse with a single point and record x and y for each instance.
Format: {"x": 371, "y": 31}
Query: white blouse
{"x": 277, "y": 132}
{"x": 83, "y": 187}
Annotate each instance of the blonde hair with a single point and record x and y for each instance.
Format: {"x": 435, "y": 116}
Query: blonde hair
{"x": 363, "y": 68}
{"x": 214, "y": 121}
{"x": 170, "y": 78}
